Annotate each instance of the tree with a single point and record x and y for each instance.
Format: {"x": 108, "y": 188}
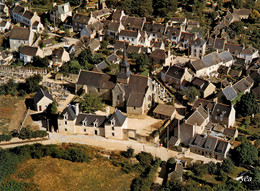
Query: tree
{"x": 32, "y": 83}
{"x": 247, "y": 105}
{"x": 164, "y": 7}
{"x": 53, "y": 108}
{"x": 213, "y": 167}
{"x": 250, "y": 4}
{"x": 227, "y": 166}
{"x": 245, "y": 154}
{"x": 40, "y": 62}
{"x": 199, "y": 169}
{"x": 192, "y": 93}
{"x": 144, "y": 158}
{"x": 237, "y": 3}
{"x": 91, "y": 103}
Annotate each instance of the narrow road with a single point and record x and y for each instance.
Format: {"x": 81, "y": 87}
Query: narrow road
{"x": 109, "y": 144}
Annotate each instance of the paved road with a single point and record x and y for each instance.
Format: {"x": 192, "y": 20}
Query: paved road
{"x": 110, "y": 144}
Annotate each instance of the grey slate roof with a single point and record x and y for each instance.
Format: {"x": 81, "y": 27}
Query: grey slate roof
{"x": 221, "y": 146}
{"x": 243, "y": 84}
{"x": 40, "y": 94}
{"x": 211, "y": 59}
{"x": 95, "y": 79}
{"x": 198, "y": 65}
{"x": 70, "y": 111}
{"x": 234, "y": 49}
{"x": 229, "y": 93}
{"x": 210, "y": 143}
{"x": 225, "y": 56}
{"x": 174, "y": 71}
{"x": 249, "y": 51}
{"x": 90, "y": 119}
{"x": 219, "y": 43}
{"x": 230, "y": 132}
{"x": 118, "y": 117}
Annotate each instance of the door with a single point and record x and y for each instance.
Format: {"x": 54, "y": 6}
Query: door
{"x": 96, "y": 132}
{"x": 40, "y": 108}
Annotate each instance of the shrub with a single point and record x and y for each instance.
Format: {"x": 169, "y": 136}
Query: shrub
{"x": 5, "y": 137}
{"x": 171, "y": 162}
{"x": 144, "y": 158}
{"x": 227, "y": 166}
{"x": 129, "y": 153}
{"x": 199, "y": 169}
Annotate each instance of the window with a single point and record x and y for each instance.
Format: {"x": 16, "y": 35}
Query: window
{"x": 85, "y": 130}
{"x": 118, "y": 97}
{"x": 113, "y": 134}
{"x": 221, "y": 119}
{"x": 66, "y": 123}
{"x": 216, "y": 117}
{"x": 113, "y": 128}
{"x": 66, "y": 129}
{"x": 123, "y": 38}
{"x": 134, "y": 108}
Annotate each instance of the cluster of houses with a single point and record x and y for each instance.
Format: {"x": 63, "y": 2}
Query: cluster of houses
{"x": 206, "y": 128}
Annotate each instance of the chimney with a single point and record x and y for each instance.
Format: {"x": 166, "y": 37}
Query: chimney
{"x": 108, "y": 112}
{"x": 54, "y": 4}
{"x": 179, "y": 130}
{"x": 77, "y": 109}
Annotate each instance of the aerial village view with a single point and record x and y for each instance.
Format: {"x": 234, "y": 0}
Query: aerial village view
{"x": 117, "y": 95}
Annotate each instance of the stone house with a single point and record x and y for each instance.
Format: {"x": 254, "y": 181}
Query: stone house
{"x": 20, "y": 37}
{"x": 175, "y": 76}
{"x": 113, "y": 28}
{"x": 186, "y": 40}
{"x": 27, "y": 53}
{"x": 91, "y": 30}
{"x": 173, "y": 34}
{"x": 133, "y": 37}
{"x": 24, "y": 16}
{"x": 161, "y": 57}
{"x": 242, "y": 86}
{"x": 42, "y": 100}
{"x": 96, "y": 83}
{"x": 59, "y": 13}
{"x": 101, "y": 14}
{"x": 234, "y": 49}
{"x": 249, "y": 54}
{"x": 154, "y": 31}
{"x": 72, "y": 121}
{"x": 198, "y": 48}
{"x": 194, "y": 124}
{"x": 226, "y": 58}
{"x": 209, "y": 146}
{"x": 163, "y": 111}
{"x": 205, "y": 87}
{"x": 59, "y": 57}
{"x": 133, "y": 23}
{"x": 79, "y": 21}
{"x": 219, "y": 113}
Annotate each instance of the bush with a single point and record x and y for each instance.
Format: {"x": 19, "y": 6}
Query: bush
{"x": 222, "y": 176}
{"x": 144, "y": 158}
{"x": 227, "y": 166}
{"x": 5, "y": 137}
{"x": 129, "y": 153}
{"x": 199, "y": 169}
{"x": 28, "y": 133}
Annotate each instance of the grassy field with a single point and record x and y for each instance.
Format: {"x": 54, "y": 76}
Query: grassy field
{"x": 56, "y": 174}
{"x": 7, "y": 109}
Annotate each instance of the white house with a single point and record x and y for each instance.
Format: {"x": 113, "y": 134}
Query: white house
{"x": 249, "y": 54}
{"x": 20, "y": 37}
{"x": 42, "y": 100}
{"x": 60, "y": 12}
{"x": 24, "y": 16}
{"x": 198, "y": 48}
{"x": 132, "y": 37}
{"x": 27, "y": 53}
